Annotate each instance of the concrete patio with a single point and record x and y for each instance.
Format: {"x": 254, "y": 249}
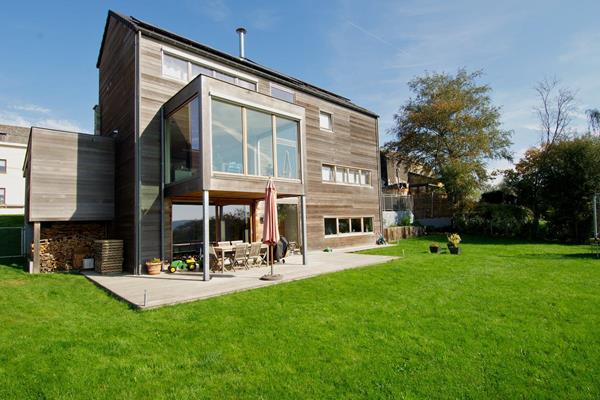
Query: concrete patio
{"x": 181, "y": 287}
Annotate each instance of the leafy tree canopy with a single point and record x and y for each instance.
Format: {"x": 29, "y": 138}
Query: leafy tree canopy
{"x": 450, "y": 128}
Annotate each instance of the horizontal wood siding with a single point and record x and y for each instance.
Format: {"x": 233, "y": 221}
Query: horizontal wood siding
{"x": 353, "y": 143}
{"x": 117, "y": 113}
{"x": 71, "y": 177}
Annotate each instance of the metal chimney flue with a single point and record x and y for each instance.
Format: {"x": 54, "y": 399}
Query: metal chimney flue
{"x": 242, "y": 33}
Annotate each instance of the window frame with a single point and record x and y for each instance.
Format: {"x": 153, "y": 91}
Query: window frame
{"x": 349, "y": 219}
{"x": 4, "y": 170}
{"x": 274, "y": 114}
{"x": 346, "y": 170}
{"x": 326, "y": 112}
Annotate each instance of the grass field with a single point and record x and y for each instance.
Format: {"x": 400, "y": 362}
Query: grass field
{"x": 503, "y": 320}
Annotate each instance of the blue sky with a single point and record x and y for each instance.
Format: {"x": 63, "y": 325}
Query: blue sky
{"x": 366, "y": 51}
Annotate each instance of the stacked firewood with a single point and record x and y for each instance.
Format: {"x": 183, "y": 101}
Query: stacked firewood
{"x": 63, "y": 246}
{"x": 108, "y": 256}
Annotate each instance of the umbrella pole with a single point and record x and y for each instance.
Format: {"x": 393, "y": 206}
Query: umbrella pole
{"x": 271, "y": 248}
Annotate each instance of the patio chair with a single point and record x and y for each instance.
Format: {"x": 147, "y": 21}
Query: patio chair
{"x": 222, "y": 244}
{"x": 254, "y": 256}
{"x": 216, "y": 264}
{"x": 234, "y": 242}
{"x": 240, "y": 258}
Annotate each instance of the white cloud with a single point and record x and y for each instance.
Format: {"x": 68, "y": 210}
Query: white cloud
{"x": 62, "y": 124}
{"x": 28, "y": 117}
{"x": 582, "y": 47}
{"x": 12, "y": 118}
{"x": 32, "y": 108}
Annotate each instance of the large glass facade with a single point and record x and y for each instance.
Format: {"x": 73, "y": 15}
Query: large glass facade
{"x": 260, "y": 143}
{"x": 242, "y": 142}
{"x": 188, "y": 228}
{"x": 288, "y": 221}
{"x": 288, "y": 152}
{"x": 182, "y": 142}
{"x": 227, "y": 142}
{"x": 235, "y": 223}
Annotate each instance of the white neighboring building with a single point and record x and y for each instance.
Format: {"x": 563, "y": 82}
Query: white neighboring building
{"x": 13, "y": 145}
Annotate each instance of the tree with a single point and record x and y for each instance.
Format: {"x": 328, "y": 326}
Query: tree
{"x": 450, "y": 128}
{"x": 593, "y": 115}
{"x": 555, "y": 110}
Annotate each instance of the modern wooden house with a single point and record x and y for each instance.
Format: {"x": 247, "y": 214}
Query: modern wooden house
{"x": 198, "y": 132}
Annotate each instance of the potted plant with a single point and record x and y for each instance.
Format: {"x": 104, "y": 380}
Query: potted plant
{"x": 434, "y": 247}
{"x": 154, "y": 266}
{"x": 454, "y": 243}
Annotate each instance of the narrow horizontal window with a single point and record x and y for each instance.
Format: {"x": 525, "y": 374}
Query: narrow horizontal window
{"x": 282, "y": 93}
{"x": 174, "y": 67}
{"x": 347, "y": 226}
{"x": 224, "y": 77}
{"x": 325, "y": 121}
{"x": 199, "y": 69}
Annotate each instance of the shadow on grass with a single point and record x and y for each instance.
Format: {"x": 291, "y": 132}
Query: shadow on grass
{"x": 17, "y": 263}
{"x": 553, "y": 256}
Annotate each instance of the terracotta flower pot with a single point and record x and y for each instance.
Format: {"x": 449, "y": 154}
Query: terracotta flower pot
{"x": 154, "y": 268}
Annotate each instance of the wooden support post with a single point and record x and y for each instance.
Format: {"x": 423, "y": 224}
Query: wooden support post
{"x": 206, "y": 238}
{"x": 36, "y": 248}
{"x": 304, "y": 231}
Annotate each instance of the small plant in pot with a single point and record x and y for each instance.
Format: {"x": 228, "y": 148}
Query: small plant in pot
{"x": 454, "y": 243}
{"x": 154, "y": 266}
{"x": 434, "y": 247}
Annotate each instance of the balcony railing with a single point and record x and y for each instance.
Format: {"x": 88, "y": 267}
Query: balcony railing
{"x": 396, "y": 202}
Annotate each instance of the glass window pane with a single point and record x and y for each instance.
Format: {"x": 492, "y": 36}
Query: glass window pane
{"x": 330, "y": 226}
{"x": 356, "y": 225}
{"x": 224, "y": 77}
{"x": 246, "y": 84}
{"x": 2, "y": 166}
{"x": 2, "y": 196}
{"x": 182, "y": 142}
{"x": 327, "y": 173}
{"x": 288, "y": 222}
{"x": 282, "y": 94}
{"x": 339, "y": 174}
{"x": 325, "y": 120}
{"x": 199, "y": 69}
{"x": 354, "y": 177}
{"x": 288, "y": 152}
{"x": 235, "y": 223}
{"x": 365, "y": 177}
{"x": 226, "y": 137}
{"x": 260, "y": 143}
{"x": 368, "y": 224}
{"x": 175, "y": 67}
{"x": 343, "y": 225}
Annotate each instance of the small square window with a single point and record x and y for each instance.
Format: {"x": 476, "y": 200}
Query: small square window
{"x": 325, "y": 121}
{"x": 328, "y": 173}
{"x": 2, "y": 166}
{"x": 368, "y": 224}
{"x": 330, "y": 226}
{"x": 344, "y": 225}
{"x": 355, "y": 224}
{"x": 175, "y": 67}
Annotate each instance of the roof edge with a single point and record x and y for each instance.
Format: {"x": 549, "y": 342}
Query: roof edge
{"x": 119, "y": 17}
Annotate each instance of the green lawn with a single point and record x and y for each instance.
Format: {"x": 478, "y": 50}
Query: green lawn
{"x": 503, "y": 320}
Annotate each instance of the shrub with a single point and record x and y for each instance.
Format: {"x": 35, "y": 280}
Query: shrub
{"x": 505, "y": 220}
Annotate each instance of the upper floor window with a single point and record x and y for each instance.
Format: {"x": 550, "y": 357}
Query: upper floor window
{"x": 253, "y": 142}
{"x": 174, "y": 67}
{"x": 2, "y": 196}
{"x": 325, "y": 121}
{"x": 182, "y": 142}
{"x": 328, "y": 173}
{"x": 282, "y": 93}
{"x": 2, "y": 166}
{"x": 184, "y": 70}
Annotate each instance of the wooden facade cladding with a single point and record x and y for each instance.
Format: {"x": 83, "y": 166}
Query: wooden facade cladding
{"x": 70, "y": 177}
{"x": 117, "y": 69}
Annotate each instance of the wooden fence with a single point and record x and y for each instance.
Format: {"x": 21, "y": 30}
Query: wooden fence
{"x": 393, "y": 234}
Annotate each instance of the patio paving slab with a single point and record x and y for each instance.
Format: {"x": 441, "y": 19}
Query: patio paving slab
{"x": 181, "y": 287}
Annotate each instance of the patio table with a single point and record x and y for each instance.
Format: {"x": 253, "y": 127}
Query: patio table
{"x": 222, "y": 250}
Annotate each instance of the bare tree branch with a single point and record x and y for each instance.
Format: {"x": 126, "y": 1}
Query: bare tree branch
{"x": 555, "y": 110}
